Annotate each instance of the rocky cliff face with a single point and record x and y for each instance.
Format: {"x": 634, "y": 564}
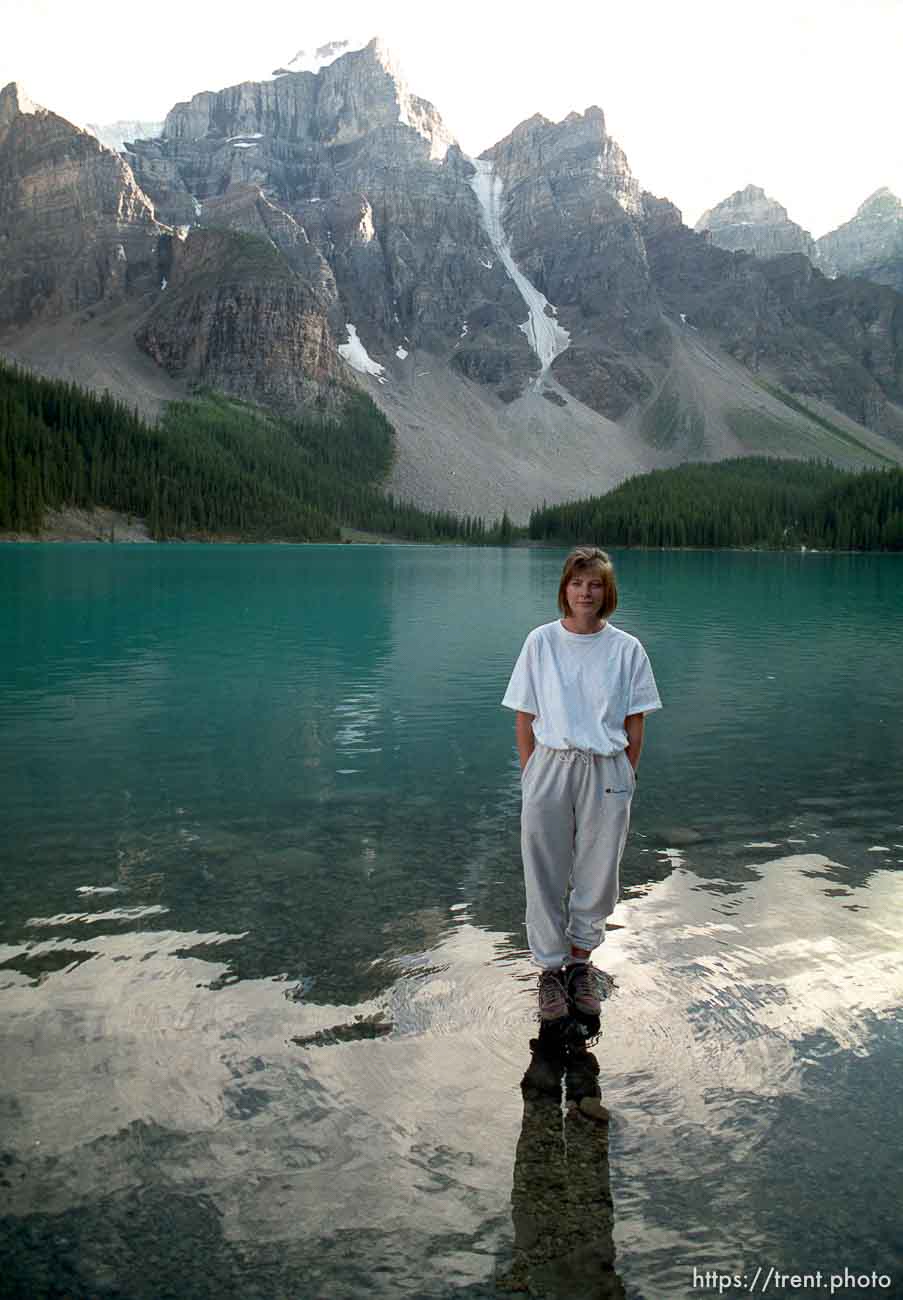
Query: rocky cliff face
{"x": 751, "y": 222}
{"x": 245, "y": 308}
{"x": 870, "y": 245}
{"x": 76, "y": 231}
{"x": 368, "y": 171}
{"x": 241, "y": 315}
{"x": 360, "y": 92}
{"x": 570, "y": 207}
{"x": 836, "y": 341}
{"x": 302, "y": 136}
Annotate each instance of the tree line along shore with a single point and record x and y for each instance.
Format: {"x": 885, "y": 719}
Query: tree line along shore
{"x": 211, "y": 467}
{"x": 751, "y": 502}
{"x": 216, "y": 468}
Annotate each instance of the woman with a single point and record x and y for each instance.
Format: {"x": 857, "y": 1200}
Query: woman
{"x": 580, "y": 689}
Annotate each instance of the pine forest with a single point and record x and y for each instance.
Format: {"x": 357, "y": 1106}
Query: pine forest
{"x": 214, "y": 467}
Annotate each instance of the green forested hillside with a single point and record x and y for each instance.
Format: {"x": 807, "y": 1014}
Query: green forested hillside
{"x": 211, "y": 467}
{"x": 753, "y": 501}
{"x": 216, "y": 467}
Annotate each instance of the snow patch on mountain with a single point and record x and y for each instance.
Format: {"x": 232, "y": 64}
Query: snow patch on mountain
{"x": 545, "y": 336}
{"x": 115, "y": 135}
{"x": 357, "y": 356}
{"x": 312, "y": 59}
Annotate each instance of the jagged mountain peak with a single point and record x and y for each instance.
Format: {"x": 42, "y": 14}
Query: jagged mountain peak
{"x": 77, "y": 232}
{"x": 16, "y": 103}
{"x": 582, "y": 132}
{"x": 538, "y": 124}
{"x": 751, "y": 205}
{"x": 413, "y": 111}
{"x": 381, "y": 53}
{"x": 375, "y": 50}
{"x": 14, "y": 100}
{"x": 883, "y": 202}
{"x": 313, "y": 59}
{"x": 870, "y": 244}
{"x": 347, "y": 97}
{"x": 529, "y": 126}
{"x": 593, "y": 114}
{"x": 577, "y": 146}
{"x": 751, "y": 221}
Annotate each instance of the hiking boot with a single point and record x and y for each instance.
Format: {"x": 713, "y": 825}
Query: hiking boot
{"x": 582, "y": 989}
{"x": 553, "y": 999}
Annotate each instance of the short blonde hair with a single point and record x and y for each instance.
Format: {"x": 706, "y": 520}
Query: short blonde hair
{"x": 581, "y": 559}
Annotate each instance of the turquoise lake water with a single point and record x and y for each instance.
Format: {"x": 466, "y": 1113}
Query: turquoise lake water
{"x": 265, "y": 1003}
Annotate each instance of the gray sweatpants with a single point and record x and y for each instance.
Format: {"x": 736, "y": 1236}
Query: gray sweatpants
{"x": 574, "y": 821}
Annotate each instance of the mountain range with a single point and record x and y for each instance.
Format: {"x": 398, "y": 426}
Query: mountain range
{"x": 534, "y": 324}
{"x": 869, "y": 245}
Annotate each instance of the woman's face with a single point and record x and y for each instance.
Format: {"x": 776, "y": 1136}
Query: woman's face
{"x": 585, "y": 590}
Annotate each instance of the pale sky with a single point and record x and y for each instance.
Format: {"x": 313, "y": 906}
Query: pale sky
{"x": 705, "y": 96}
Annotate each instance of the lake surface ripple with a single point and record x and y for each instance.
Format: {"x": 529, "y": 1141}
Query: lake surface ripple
{"x": 266, "y": 1004}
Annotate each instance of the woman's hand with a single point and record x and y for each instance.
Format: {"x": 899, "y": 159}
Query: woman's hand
{"x": 633, "y": 725}
{"x": 523, "y": 731}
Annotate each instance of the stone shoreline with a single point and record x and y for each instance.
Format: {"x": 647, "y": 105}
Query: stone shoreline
{"x": 77, "y": 525}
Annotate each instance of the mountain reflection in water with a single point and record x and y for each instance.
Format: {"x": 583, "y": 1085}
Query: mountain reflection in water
{"x": 163, "y": 1122}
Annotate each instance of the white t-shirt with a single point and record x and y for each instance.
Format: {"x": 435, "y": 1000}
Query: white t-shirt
{"x": 581, "y": 686}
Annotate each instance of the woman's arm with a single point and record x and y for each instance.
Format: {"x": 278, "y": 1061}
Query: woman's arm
{"x": 633, "y": 725}
{"x": 523, "y": 731}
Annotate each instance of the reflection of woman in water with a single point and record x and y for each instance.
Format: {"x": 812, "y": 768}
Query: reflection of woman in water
{"x": 580, "y": 688}
{"x": 561, "y": 1201}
